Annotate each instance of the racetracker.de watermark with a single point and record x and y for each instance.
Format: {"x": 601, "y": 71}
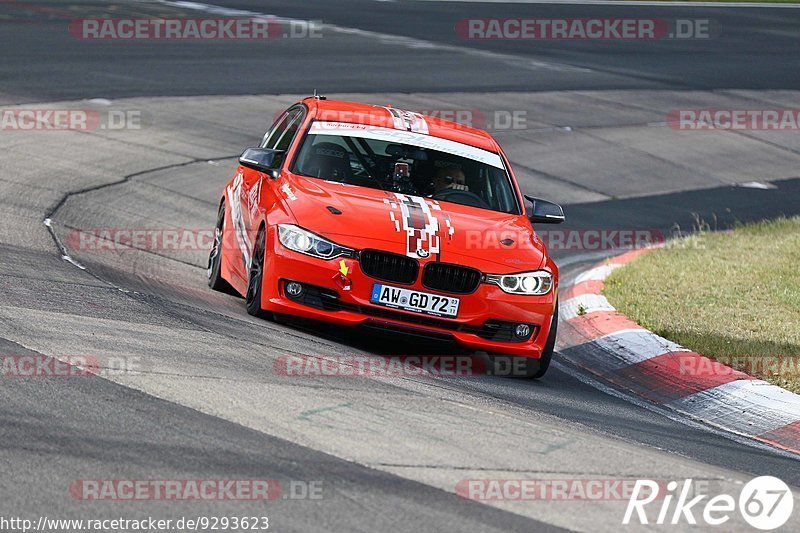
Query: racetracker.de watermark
{"x": 187, "y": 239}
{"x": 146, "y": 239}
{"x": 42, "y": 366}
{"x": 600, "y": 489}
{"x": 754, "y": 365}
{"x": 195, "y": 489}
{"x": 70, "y": 366}
{"x": 484, "y": 119}
{"x": 32, "y": 119}
{"x": 735, "y": 119}
{"x": 349, "y": 366}
{"x": 493, "y": 120}
{"x": 584, "y": 29}
{"x": 560, "y": 240}
{"x": 174, "y": 489}
{"x": 193, "y": 29}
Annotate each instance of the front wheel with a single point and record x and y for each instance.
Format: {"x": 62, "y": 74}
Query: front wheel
{"x": 255, "y": 280}
{"x": 215, "y": 279}
{"x": 528, "y": 367}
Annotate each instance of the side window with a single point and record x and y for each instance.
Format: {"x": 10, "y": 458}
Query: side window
{"x": 293, "y": 121}
{"x": 281, "y": 135}
{"x": 275, "y": 132}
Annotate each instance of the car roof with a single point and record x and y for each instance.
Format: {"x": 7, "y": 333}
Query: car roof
{"x": 388, "y": 116}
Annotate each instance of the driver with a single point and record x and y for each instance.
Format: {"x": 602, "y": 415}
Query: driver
{"x": 450, "y": 178}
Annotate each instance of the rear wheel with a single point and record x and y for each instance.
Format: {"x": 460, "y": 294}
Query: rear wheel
{"x": 215, "y": 279}
{"x": 528, "y": 367}
{"x": 255, "y": 280}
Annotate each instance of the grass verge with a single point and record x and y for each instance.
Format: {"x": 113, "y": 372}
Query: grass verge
{"x": 733, "y": 297}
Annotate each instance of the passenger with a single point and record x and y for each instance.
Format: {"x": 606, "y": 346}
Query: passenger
{"x": 450, "y": 178}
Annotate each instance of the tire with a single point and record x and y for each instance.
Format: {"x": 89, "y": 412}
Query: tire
{"x": 528, "y": 367}
{"x": 215, "y": 279}
{"x": 255, "y": 280}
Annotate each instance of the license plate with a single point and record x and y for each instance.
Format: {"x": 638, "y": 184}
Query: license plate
{"x": 419, "y": 302}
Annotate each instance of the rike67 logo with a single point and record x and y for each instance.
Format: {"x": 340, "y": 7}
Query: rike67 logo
{"x": 766, "y": 503}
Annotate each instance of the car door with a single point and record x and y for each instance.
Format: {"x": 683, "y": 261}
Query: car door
{"x": 251, "y": 185}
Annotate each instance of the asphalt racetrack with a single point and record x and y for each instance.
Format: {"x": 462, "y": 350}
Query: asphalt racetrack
{"x": 197, "y": 396}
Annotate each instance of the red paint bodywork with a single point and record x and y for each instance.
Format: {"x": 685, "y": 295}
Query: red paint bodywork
{"x": 364, "y": 223}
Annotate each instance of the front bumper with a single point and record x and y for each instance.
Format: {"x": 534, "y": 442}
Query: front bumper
{"x": 485, "y": 322}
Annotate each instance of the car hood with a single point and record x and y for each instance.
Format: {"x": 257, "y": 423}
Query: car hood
{"x": 360, "y": 217}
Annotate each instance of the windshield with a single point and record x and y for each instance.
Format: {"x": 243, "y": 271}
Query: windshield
{"x": 408, "y": 163}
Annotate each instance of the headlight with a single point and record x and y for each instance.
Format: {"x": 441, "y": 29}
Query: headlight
{"x": 533, "y": 283}
{"x": 303, "y": 241}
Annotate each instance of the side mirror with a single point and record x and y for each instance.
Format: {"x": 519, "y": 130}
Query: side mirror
{"x": 545, "y": 212}
{"x": 263, "y": 160}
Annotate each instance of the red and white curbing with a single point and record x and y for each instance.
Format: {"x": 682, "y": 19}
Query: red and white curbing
{"x": 595, "y": 337}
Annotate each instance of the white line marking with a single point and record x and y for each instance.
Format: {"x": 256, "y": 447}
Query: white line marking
{"x": 749, "y": 406}
{"x": 597, "y": 273}
{"x": 583, "y": 377}
{"x": 385, "y": 38}
{"x": 622, "y": 349}
{"x": 64, "y": 253}
{"x": 588, "y": 302}
{"x": 756, "y": 185}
